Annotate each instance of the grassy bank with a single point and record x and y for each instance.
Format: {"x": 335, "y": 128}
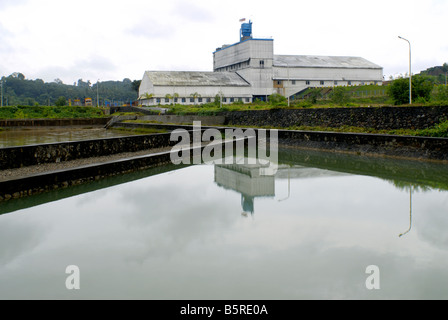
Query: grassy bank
{"x": 26, "y": 112}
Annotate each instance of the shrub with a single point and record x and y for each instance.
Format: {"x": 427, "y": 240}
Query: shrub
{"x": 339, "y": 96}
{"x": 278, "y": 100}
{"x": 60, "y": 102}
{"x": 421, "y": 90}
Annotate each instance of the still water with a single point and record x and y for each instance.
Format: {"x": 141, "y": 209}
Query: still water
{"x": 29, "y": 136}
{"x": 222, "y": 232}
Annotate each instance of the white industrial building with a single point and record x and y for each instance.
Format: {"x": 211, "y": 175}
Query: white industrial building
{"x": 249, "y": 70}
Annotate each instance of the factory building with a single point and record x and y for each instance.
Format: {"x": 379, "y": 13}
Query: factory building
{"x": 249, "y": 70}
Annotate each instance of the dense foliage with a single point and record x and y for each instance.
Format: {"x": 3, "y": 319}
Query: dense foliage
{"x": 27, "y": 112}
{"x": 17, "y": 90}
{"x": 422, "y": 87}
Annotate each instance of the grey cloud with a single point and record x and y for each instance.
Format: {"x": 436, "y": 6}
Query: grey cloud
{"x": 193, "y": 13}
{"x": 90, "y": 68}
{"x": 17, "y": 239}
{"x": 151, "y": 29}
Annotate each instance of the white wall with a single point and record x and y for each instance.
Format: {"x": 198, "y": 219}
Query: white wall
{"x": 243, "y": 51}
{"x": 159, "y": 94}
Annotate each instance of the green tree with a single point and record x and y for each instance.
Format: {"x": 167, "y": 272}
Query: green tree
{"x": 277, "y": 100}
{"x": 195, "y": 96}
{"x": 422, "y": 87}
{"x": 441, "y": 93}
{"x": 60, "y": 102}
{"x": 136, "y": 85}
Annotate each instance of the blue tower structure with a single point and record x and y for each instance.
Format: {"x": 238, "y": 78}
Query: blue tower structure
{"x": 246, "y": 31}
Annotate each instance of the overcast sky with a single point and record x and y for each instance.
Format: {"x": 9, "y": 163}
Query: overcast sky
{"x": 113, "y": 40}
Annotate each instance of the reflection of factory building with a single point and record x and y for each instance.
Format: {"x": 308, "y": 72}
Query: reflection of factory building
{"x": 246, "y": 180}
{"x": 250, "y": 70}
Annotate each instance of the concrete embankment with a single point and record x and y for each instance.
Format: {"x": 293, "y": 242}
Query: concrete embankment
{"x": 419, "y": 148}
{"x": 21, "y": 186}
{"x": 406, "y": 147}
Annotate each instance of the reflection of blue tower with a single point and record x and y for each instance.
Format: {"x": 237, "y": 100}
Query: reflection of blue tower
{"x": 247, "y": 202}
{"x": 246, "y": 31}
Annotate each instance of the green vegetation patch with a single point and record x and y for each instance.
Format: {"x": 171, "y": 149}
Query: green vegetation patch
{"x": 440, "y": 130}
{"x": 41, "y": 112}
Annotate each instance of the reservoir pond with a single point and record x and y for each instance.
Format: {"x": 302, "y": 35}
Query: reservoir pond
{"x": 312, "y": 230}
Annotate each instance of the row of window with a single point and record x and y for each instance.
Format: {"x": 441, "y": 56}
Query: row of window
{"x": 199, "y": 100}
{"x": 322, "y": 82}
{"x": 234, "y": 67}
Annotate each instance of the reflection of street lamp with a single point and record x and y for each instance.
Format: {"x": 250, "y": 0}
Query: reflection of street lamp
{"x": 410, "y": 213}
{"x": 289, "y": 185}
{"x": 410, "y": 70}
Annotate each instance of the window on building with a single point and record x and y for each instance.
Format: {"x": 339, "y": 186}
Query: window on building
{"x": 262, "y": 64}
{"x": 167, "y": 100}
{"x": 224, "y": 99}
{"x": 191, "y": 99}
{"x": 335, "y": 83}
{"x": 279, "y": 82}
{"x": 209, "y": 100}
{"x": 308, "y": 82}
{"x": 199, "y": 99}
{"x": 175, "y": 100}
{"x": 232, "y": 100}
{"x": 247, "y": 100}
{"x": 349, "y": 83}
{"x": 322, "y": 83}
{"x": 158, "y": 100}
{"x": 293, "y": 82}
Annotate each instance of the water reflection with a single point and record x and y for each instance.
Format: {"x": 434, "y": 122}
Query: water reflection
{"x": 178, "y": 234}
{"x": 246, "y": 180}
{"x": 29, "y": 136}
{"x": 410, "y": 213}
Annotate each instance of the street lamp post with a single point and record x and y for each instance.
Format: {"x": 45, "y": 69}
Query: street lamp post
{"x": 1, "y": 83}
{"x": 410, "y": 70}
{"x": 97, "y": 94}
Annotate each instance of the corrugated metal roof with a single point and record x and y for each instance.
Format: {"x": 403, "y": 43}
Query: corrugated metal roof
{"x": 191, "y": 78}
{"x": 323, "y": 62}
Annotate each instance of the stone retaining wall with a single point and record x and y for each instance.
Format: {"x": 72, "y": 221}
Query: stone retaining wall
{"x": 388, "y": 118}
{"x": 17, "y": 157}
{"x": 425, "y": 148}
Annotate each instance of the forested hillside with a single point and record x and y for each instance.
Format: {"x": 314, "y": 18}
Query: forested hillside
{"x": 17, "y": 90}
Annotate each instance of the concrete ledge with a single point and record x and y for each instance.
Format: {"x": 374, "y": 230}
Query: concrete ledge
{"x": 53, "y": 122}
{"x": 22, "y": 156}
{"x": 39, "y": 183}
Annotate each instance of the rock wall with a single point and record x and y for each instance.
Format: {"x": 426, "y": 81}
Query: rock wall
{"x": 387, "y": 118}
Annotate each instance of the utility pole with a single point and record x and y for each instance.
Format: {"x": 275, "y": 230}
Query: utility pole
{"x": 410, "y": 70}
{"x": 97, "y": 94}
{"x": 1, "y": 83}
